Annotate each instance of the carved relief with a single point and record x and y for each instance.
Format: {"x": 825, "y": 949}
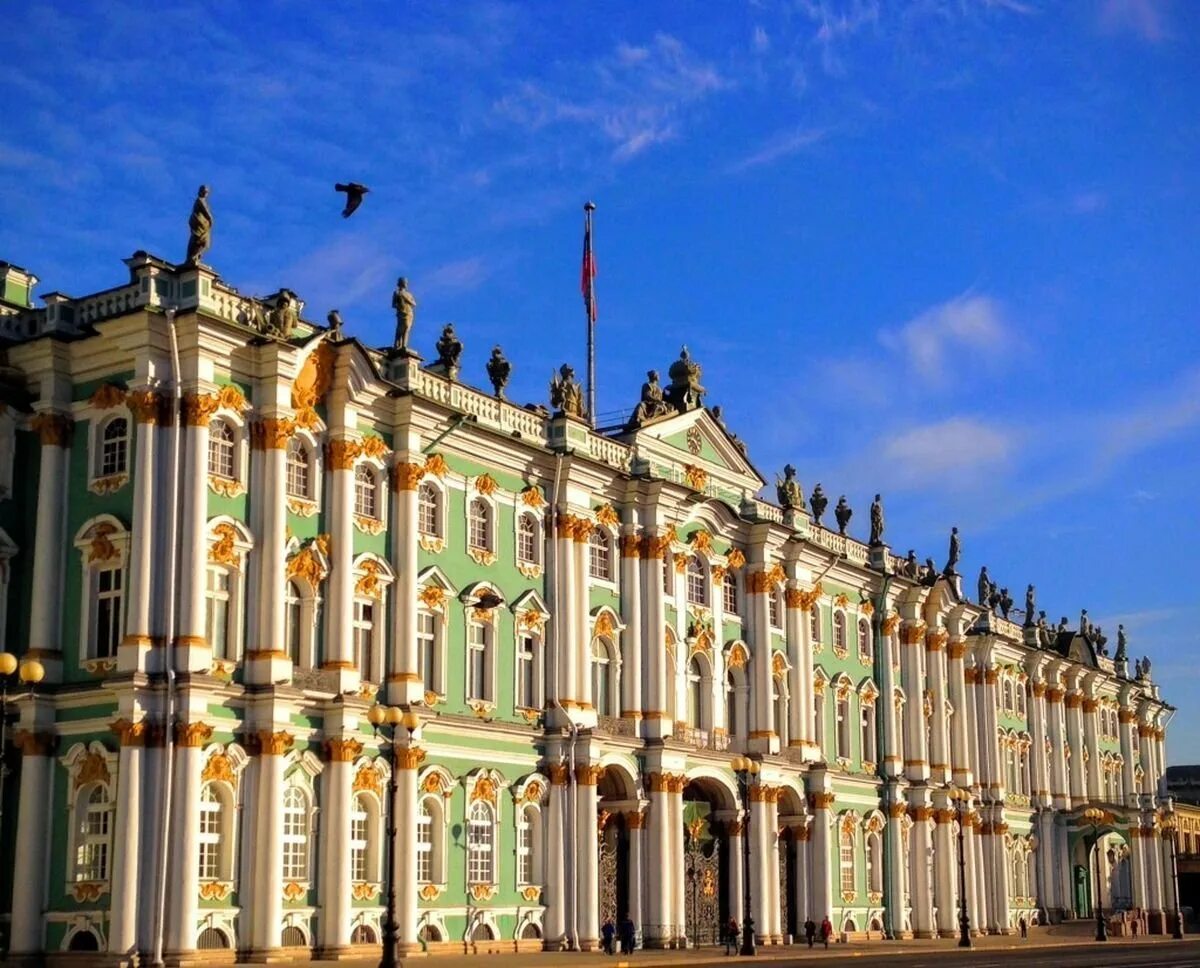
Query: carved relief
{"x": 432, "y": 597}
{"x": 368, "y": 583}
{"x": 607, "y": 516}
{"x": 435, "y": 464}
{"x": 222, "y": 550}
{"x": 107, "y": 396}
{"x": 147, "y": 407}
{"x": 486, "y": 485}
{"x": 53, "y": 429}
{"x": 367, "y": 780}
{"x": 695, "y": 477}
{"x": 407, "y": 477}
{"x": 92, "y": 768}
{"x": 220, "y": 768}
{"x": 532, "y": 497}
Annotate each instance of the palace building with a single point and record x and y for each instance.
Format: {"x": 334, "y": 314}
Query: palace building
{"x": 226, "y": 532}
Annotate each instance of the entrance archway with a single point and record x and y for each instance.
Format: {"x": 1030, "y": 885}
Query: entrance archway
{"x": 618, "y": 805}
{"x": 792, "y": 835}
{"x": 709, "y": 815}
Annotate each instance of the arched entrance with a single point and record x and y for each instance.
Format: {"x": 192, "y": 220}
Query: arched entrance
{"x": 709, "y": 817}
{"x": 792, "y": 835}
{"x": 616, "y": 793}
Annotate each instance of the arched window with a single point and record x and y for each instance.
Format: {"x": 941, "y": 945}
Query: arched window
{"x": 604, "y": 678}
{"x": 366, "y": 492}
{"x": 729, "y": 594}
{"x": 299, "y": 470}
{"x": 479, "y": 661}
{"x": 668, "y": 573}
{"x": 221, "y": 444}
{"x": 218, "y": 612}
{"x": 874, "y": 863}
{"x": 779, "y": 709}
{"x": 527, "y": 540}
{"x": 699, "y": 688}
{"x": 93, "y": 842}
{"x": 429, "y": 511}
{"x": 732, "y": 722}
{"x": 364, "y": 839}
{"x": 480, "y": 840}
{"x": 1008, "y": 695}
{"x": 866, "y": 648}
{"x": 819, "y": 716}
{"x": 529, "y": 845}
{"x": 430, "y": 841}
{"x": 295, "y": 834}
{"x": 867, "y": 715}
{"x": 114, "y": 447}
{"x": 293, "y": 616}
{"x": 846, "y": 858}
{"x": 697, "y": 581}
{"x": 600, "y": 555}
{"x": 479, "y": 525}
{"x": 839, "y": 630}
{"x": 108, "y": 614}
{"x": 214, "y": 835}
{"x": 842, "y": 712}
{"x": 1021, "y": 699}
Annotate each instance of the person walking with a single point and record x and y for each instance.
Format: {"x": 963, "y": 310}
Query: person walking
{"x": 627, "y": 936}
{"x": 826, "y": 930}
{"x": 810, "y": 931}
{"x": 1024, "y": 926}
{"x": 731, "y": 936}
{"x": 607, "y": 933}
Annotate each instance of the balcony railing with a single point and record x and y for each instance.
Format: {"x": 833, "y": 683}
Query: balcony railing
{"x": 702, "y": 739}
{"x": 615, "y": 726}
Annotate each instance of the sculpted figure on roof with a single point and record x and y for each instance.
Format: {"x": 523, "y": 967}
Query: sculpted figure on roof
{"x": 787, "y": 489}
{"x": 200, "y": 226}
{"x": 651, "y": 406}
{"x": 685, "y": 391}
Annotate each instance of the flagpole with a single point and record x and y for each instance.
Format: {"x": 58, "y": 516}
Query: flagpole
{"x": 588, "y": 209}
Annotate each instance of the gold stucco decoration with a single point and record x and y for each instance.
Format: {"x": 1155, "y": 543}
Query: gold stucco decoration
{"x": 101, "y": 547}
{"x": 107, "y": 396}
{"x": 222, "y": 550}
{"x": 695, "y": 477}
{"x": 93, "y": 768}
{"x": 218, "y": 768}
{"x": 607, "y": 515}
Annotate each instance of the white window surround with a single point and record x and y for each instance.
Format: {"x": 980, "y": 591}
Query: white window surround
{"x": 373, "y": 578}
{"x": 483, "y": 789}
{"x": 481, "y": 537}
{"x": 302, "y": 503}
{"x": 601, "y": 556}
{"x": 530, "y": 845}
{"x": 606, "y": 676}
{"x": 228, "y": 832}
{"x": 103, "y": 544}
{"x": 221, "y": 531}
{"x": 489, "y": 622}
{"x": 438, "y": 806}
{"x": 236, "y": 483}
{"x": 89, "y": 768}
{"x": 366, "y": 838}
{"x": 100, "y": 479}
{"x": 528, "y": 531}
{"x": 431, "y": 503}
{"x": 300, "y": 770}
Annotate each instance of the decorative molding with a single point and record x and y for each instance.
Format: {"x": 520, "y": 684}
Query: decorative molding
{"x": 409, "y": 758}
{"x": 192, "y": 735}
{"x": 218, "y": 767}
{"x": 271, "y": 433}
{"x": 368, "y": 525}
{"x": 695, "y": 477}
{"x": 92, "y": 768}
{"x": 607, "y": 515}
{"x": 532, "y": 497}
{"x": 407, "y": 476}
{"x": 214, "y": 890}
{"x": 342, "y": 750}
{"x": 222, "y": 550}
{"x": 364, "y": 891}
{"x": 482, "y": 557}
{"x": 89, "y": 890}
{"x": 432, "y": 597}
{"x": 292, "y": 891}
{"x": 486, "y": 485}
{"x": 108, "y": 485}
{"x": 225, "y": 486}
{"x": 147, "y": 407}
{"x": 436, "y": 465}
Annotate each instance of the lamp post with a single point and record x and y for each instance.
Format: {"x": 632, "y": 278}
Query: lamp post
{"x": 30, "y": 672}
{"x": 746, "y": 771}
{"x": 1094, "y": 815}
{"x": 960, "y": 797}
{"x": 385, "y": 720}
{"x": 1169, "y": 825}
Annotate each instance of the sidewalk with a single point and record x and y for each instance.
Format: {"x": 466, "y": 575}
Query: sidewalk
{"x": 774, "y": 955}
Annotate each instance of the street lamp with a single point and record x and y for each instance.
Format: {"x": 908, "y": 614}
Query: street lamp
{"x": 30, "y": 672}
{"x": 1169, "y": 825}
{"x": 746, "y": 770}
{"x": 386, "y": 719}
{"x": 960, "y": 797}
{"x": 1094, "y": 815}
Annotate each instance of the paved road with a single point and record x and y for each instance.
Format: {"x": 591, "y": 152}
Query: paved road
{"x": 1181, "y": 954}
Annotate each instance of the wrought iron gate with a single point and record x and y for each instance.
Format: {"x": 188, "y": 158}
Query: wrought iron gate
{"x": 702, "y": 911}
{"x": 607, "y": 868}
{"x": 787, "y": 871}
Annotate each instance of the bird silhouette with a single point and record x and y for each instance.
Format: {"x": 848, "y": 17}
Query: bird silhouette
{"x": 487, "y": 600}
{"x": 354, "y": 196}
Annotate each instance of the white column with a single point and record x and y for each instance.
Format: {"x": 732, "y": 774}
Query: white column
{"x": 123, "y": 927}
{"x": 735, "y": 830}
{"x": 631, "y": 616}
{"x": 1154, "y": 867}
{"x": 944, "y": 867}
{"x": 31, "y": 847}
{"x": 193, "y": 651}
{"x": 960, "y": 760}
{"x": 635, "y": 823}
{"x": 820, "y": 854}
{"x": 655, "y": 722}
{"x": 586, "y": 857}
{"x": 922, "y": 890}
{"x": 999, "y": 874}
{"x": 659, "y": 894}
{"x": 1092, "y": 741}
{"x": 895, "y": 867}
{"x": 406, "y": 807}
{"x": 1127, "y": 719}
{"x": 403, "y": 675}
{"x": 269, "y": 660}
{"x": 334, "y": 886}
{"x": 679, "y": 884}
{"x": 775, "y": 877}
{"x": 1038, "y": 759}
{"x": 935, "y": 667}
{"x": 563, "y": 605}
{"x": 1060, "y": 790}
{"x": 912, "y": 671}
{"x": 556, "y": 854}
{"x": 802, "y": 900}
{"x": 339, "y": 609}
{"x": 800, "y": 701}
{"x": 267, "y": 900}
{"x": 582, "y": 637}
{"x": 975, "y": 908}
{"x": 183, "y": 887}
{"x": 135, "y": 646}
{"x": 49, "y": 546}
{"x": 761, "y": 733}
{"x": 1077, "y": 775}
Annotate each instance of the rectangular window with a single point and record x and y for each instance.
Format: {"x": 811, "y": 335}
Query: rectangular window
{"x": 364, "y": 636}
{"x": 108, "y": 612}
{"x": 868, "y": 733}
{"x": 427, "y": 650}
{"x": 814, "y": 624}
{"x": 527, "y": 540}
{"x": 526, "y": 692}
{"x": 847, "y": 864}
{"x": 524, "y": 855}
{"x": 358, "y": 845}
{"x": 477, "y": 645}
{"x": 479, "y": 846}
{"x": 210, "y": 839}
{"x": 427, "y": 511}
{"x": 216, "y": 615}
{"x": 729, "y": 596}
{"x": 773, "y": 610}
{"x": 424, "y": 846}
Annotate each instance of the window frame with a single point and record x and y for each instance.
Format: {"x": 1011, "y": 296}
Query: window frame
{"x": 535, "y": 658}
{"x": 230, "y": 445}
{"x": 103, "y": 546}
{"x": 300, "y": 873}
{"x": 600, "y": 545}
{"x": 529, "y": 563}
{"x": 482, "y": 855}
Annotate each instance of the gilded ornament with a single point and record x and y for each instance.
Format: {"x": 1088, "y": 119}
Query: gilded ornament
{"x": 410, "y": 758}
{"x": 532, "y": 497}
{"x": 101, "y": 547}
{"x": 368, "y": 583}
{"x": 368, "y": 525}
{"x": 271, "y": 743}
{"x": 484, "y": 789}
{"x": 841, "y": 601}
{"x": 433, "y": 783}
{"x": 607, "y": 516}
{"x": 108, "y": 485}
{"x": 363, "y": 891}
{"x": 218, "y": 767}
{"x": 588, "y": 774}
{"x": 374, "y": 447}
{"x": 32, "y": 743}
{"x": 339, "y": 750}
{"x": 271, "y": 433}
{"x": 92, "y": 768}
{"x": 367, "y": 780}
{"x": 558, "y": 774}
{"x": 718, "y": 574}
{"x": 701, "y": 541}
{"x": 935, "y": 641}
{"x": 482, "y": 557}
{"x": 531, "y": 894}
{"x": 107, "y": 396}
{"x": 306, "y": 565}
{"x": 695, "y": 477}
{"x": 214, "y": 890}
{"x": 680, "y": 564}
{"x": 432, "y": 597}
{"x": 430, "y": 892}
{"x": 340, "y": 453}
{"x": 222, "y": 550}
{"x": 737, "y": 657}
{"x": 533, "y": 792}
{"x": 406, "y": 476}
{"x": 482, "y": 892}
{"x": 198, "y": 409}
{"x": 230, "y": 397}
{"x": 314, "y": 379}
{"x": 435, "y": 464}
{"x": 88, "y": 890}
{"x": 431, "y": 698}
{"x": 866, "y": 608}
{"x": 735, "y": 559}
{"x": 292, "y": 891}
{"x": 531, "y": 620}
{"x": 604, "y": 624}
{"x": 778, "y": 665}
{"x": 913, "y": 633}
{"x": 146, "y": 406}
{"x": 53, "y": 429}
{"x": 129, "y": 733}
{"x": 225, "y": 486}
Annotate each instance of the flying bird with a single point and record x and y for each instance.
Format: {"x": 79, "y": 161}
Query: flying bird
{"x": 487, "y": 600}
{"x": 354, "y": 196}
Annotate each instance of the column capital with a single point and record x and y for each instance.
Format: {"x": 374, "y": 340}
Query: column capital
{"x": 148, "y": 407}
{"x": 406, "y": 476}
{"x": 912, "y": 633}
{"x": 35, "y": 742}
{"x": 192, "y": 735}
{"x": 198, "y": 409}
{"x": 271, "y": 433}
{"x": 342, "y": 750}
{"x": 130, "y": 733}
{"x": 53, "y": 428}
{"x": 409, "y": 757}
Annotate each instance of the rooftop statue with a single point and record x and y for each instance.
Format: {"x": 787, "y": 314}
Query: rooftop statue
{"x": 1006, "y": 603}
{"x": 252, "y": 315}
{"x": 566, "y": 395}
{"x": 984, "y": 588}
{"x": 685, "y": 391}
{"x": 651, "y": 406}
{"x": 1062, "y": 626}
{"x": 993, "y": 597}
{"x": 911, "y": 567}
{"x": 1101, "y": 640}
{"x": 955, "y": 554}
{"x": 1043, "y": 632}
{"x": 405, "y": 305}
{"x": 843, "y": 512}
{"x": 450, "y": 350}
{"x": 284, "y": 317}
{"x": 877, "y": 523}
{"x": 740, "y": 444}
{"x": 1030, "y": 604}
{"x": 929, "y": 574}
{"x": 1122, "y": 645}
{"x": 818, "y": 502}
{"x": 1085, "y": 624}
{"x": 335, "y": 324}
{"x": 498, "y": 371}
{"x": 1146, "y": 666}
{"x": 791, "y": 498}
{"x": 200, "y": 226}
{"x": 1138, "y": 671}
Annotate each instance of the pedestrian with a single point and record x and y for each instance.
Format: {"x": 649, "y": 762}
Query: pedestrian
{"x": 731, "y": 936}
{"x": 627, "y": 936}
{"x": 607, "y": 933}
{"x": 1024, "y": 926}
{"x": 810, "y": 931}
{"x": 826, "y": 930}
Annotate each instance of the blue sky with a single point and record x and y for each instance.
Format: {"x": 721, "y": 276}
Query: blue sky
{"x": 944, "y": 249}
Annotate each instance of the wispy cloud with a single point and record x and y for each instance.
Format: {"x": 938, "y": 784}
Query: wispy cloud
{"x": 1145, "y": 19}
{"x": 461, "y": 275}
{"x": 949, "y": 453}
{"x": 964, "y": 325}
{"x": 780, "y": 146}
{"x": 1088, "y": 203}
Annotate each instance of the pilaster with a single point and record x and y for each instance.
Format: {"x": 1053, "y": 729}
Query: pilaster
{"x": 405, "y": 684}
{"x": 54, "y": 430}
{"x": 30, "y": 860}
{"x": 147, "y": 408}
{"x": 183, "y": 891}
